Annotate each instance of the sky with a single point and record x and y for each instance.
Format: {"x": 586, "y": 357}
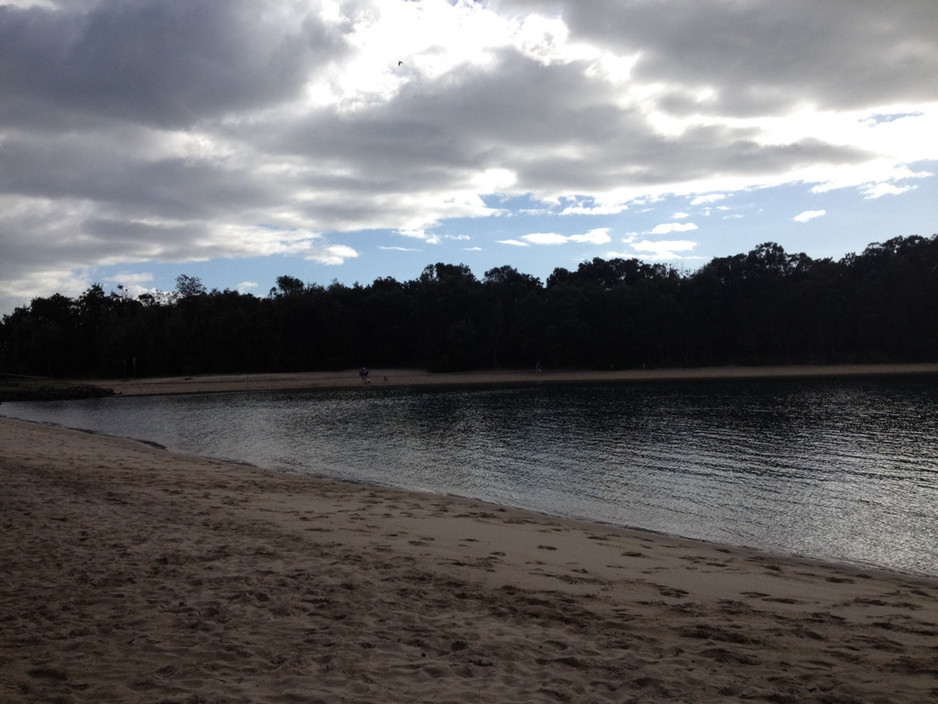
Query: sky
{"x": 347, "y": 141}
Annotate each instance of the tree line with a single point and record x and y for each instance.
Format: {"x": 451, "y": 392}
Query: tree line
{"x": 763, "y": 307}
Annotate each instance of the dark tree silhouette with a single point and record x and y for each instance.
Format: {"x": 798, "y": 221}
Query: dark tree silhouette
{"x": 764, "y": 307}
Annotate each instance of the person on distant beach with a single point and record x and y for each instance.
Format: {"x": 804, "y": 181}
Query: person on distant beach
{"x": 363, "y": 373}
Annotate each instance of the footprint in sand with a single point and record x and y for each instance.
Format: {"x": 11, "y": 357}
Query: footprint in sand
{"x": 671, "y": 591}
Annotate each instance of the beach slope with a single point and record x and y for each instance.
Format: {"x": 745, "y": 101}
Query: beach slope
{"x": 128, "y": 573}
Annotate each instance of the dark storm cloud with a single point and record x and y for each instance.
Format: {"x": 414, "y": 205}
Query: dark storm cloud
{"x": 558, "y": 132}
{"x": 762, "y": 56}
{"x": 160, "y": 62}
{"x": 106, "y": 173}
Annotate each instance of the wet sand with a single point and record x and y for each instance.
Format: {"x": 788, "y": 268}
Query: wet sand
{"x": 128, "y": 573}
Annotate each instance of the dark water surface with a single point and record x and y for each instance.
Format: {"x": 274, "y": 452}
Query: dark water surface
{"x": 844, "y": 469}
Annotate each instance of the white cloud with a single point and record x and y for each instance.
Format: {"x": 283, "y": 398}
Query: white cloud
{"x": 708, "y": 198}
{"x": 132, "y": 278}
{"x": 664, "y": 249}
{"x": 131, "y": 284}
{"x": 547, "y": 238}
{"x": 246, "y": 286}
{"x": 420, "y": 234}
{"x": 878, "y": 190}
{"x": 593, "y": 208}
{"x": 513, "y": 243}
{"x": 808, "y": 215}
{"x": 871, "y": 178}
{"x": 599, "y": 235}
{"x": 668, "y": 228}
{"x": 331, "y": 255}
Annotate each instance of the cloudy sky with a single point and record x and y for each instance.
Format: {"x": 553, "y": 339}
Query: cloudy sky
{"x": 354, "y": 139}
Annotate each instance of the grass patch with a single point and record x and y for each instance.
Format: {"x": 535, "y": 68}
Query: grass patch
{"x": 25, "y": 388}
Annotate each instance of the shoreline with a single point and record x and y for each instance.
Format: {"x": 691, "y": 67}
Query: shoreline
{"x": 397, "y": 378}
{"x": 830, "y": 562}
{"x": 133, "y": 573}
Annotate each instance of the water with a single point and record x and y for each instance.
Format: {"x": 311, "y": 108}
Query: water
{"x": 842, "y": 469}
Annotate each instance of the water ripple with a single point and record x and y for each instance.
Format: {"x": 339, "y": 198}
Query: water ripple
{"x": 840, "y": 469}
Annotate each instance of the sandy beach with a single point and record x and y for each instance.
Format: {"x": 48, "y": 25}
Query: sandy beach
{"x": 221, "y": 383}
{"x": 133, "y": 574}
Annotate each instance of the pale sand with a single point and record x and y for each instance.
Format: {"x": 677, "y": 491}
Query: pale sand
{"x": 130, "y": 574}
{"x": 412, "y": 377}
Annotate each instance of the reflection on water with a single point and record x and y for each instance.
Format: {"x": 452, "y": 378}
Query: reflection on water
{"x": 842, "y": 469}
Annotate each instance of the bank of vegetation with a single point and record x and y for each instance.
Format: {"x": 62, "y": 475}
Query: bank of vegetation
{"x": 763, "y": 307}
{"x": 19, "y": 388}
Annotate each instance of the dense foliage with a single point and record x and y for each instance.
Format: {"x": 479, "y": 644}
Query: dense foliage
{"x": 764, "y": 307}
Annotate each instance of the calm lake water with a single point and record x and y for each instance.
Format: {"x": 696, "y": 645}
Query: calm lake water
{"x": 843, "y": 469}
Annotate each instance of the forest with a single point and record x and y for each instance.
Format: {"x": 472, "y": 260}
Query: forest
{"x": 763, "y": 307}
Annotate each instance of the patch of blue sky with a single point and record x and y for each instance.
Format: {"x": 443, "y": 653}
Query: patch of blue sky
{"x": 536, "y": 238}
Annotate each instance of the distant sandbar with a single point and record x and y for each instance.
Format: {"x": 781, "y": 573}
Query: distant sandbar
{"x": 414, "y": 377}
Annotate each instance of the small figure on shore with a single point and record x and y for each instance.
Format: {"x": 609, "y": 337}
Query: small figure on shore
{"x": 537, "y": 368}
{"x": 363, "y": 373}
